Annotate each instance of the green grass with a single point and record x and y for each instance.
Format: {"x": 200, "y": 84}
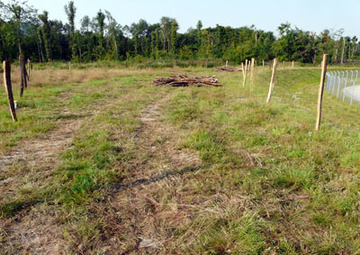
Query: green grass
{"x": 268, "y": 182}
{"x": 290, "y": 158}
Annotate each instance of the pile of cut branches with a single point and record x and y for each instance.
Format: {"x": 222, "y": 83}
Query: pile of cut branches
{"x": 184, "y": 81}
{"x": 228, "y": 69}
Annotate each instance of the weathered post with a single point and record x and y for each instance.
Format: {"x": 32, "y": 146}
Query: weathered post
{"x": 321, "y": 92}
{"x": 252, "y": 74}
{"x": 23, "y": 75}
{"x": 227, "y": 63}
{"x": 293, "y": 64}
{"x": 29, "y": 69}
{"x": 245, "y": 73}
{"x": 272, "y": 82}
{"x": 263, "y": 63}
{"x": 8, "y": 88}
{"x": 242, "y": 70}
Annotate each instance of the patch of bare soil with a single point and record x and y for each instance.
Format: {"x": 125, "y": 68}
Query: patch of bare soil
{"x": 145, "y": 206}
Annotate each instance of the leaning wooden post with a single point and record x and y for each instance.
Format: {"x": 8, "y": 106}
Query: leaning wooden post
{"x": 321, "y": 92}
{"x": 272, "y": 82}
{"x": 245, "y": 73}
{"x": 8, "y": 88}
{"x": 252, "y": 74}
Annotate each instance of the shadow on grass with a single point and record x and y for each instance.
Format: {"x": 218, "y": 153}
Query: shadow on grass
{"x": 156, "y": 178}
{"x": 11, "y": 208}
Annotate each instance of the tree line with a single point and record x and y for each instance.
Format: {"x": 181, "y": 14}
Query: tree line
{"x": 23, "y": 31}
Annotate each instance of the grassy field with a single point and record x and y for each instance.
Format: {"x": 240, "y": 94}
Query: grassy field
{"x": 103, "y": 162}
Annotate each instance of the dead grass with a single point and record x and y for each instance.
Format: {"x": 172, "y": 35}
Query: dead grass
{"x": 58, "y": 76}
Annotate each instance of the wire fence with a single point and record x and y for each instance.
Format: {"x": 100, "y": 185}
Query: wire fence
{"x": 344, "y": 85}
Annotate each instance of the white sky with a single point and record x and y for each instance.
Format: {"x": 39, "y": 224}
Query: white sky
{"x": 309, "y": 15}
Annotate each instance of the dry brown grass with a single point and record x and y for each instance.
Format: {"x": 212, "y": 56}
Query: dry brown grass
{"x": 57, "y": 76}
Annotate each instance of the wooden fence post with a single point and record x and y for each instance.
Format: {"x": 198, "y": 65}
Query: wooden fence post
{"x": 242, "y": 70}
{"x": 227, "y": 63}
{"x": 272, "y": 82}
{"x": 8, "y": 88}
{"x": 23, "y": 75}
{"x": 29, "y": 69}
{"x": 252, "y": 74}
{"x": 321, "y": 92}
{"x": 263, "y": 62}
{"x": 245, "y": 72}
{"x": 293, "y": 64}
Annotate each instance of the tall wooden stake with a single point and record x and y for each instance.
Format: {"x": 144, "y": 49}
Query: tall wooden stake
{"x": 245, "y": 72}
{"x": 272, "y": 82}
{"x": 321, "y": 92}
{"x": 242, "y": 70}
{"x": 29, "y": 69}
{"x": 23, "y": 75}
{"x": 293, "y": 64}
{"x": 263, "y": 62}
{"x": 252, "y": 74}
{"x": 8, "y": 88}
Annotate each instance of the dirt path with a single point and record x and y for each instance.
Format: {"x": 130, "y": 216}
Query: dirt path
{"x": 138, "y": 202}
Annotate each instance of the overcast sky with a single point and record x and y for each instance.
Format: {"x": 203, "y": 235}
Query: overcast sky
{"x": 309, "y": 15}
